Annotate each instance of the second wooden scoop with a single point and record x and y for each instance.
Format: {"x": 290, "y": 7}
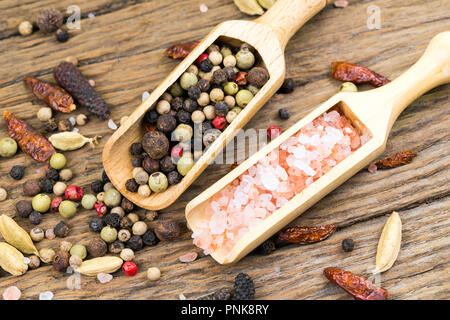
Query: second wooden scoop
{"x": 373, "y": 112}
{"x": 269, "y": 35}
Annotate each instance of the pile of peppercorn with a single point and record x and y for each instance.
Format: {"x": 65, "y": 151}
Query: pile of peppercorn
{"x": 190, "y": 116}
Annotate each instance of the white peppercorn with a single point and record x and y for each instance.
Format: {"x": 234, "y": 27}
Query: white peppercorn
{"x": 37, "y": 234}
{"x": 192, "y": 69}
{"x": 203, "y": 100}
{"x": 47, "y": 255}
{"x": 182, "y": 132}
{"x": 230, "y": 101}
{"x": 216, "y": 94}
{"x": 163, "y": 107}
{"x": 188, "y": 80}
{"x": 139, "y": 228}
{"x": 65, "y": 246}
{"x": 25, "y": 28}
{"x": 3, "y": 194}
{"x": 136, "y": 170}
{"x": 133, "y": 217}
{"x": 108, "y": 186}
{"x": 198, "y": 116}
{"x": 141, "y": 177}
{"x": 88, "y": 201}
{"x": 144, "y": 190}
{"x": 127, "y": 254}
{"x": 245, "y": 59}
{"x": 229, "y": 61}
{"x": 153, "y": 274}
{"x": 225, "y": 51}
{"x": 166, "y": 96}
{"x": 123, "y": 235}
{"x": 101, "y": 196}
{"x": 44, "y": 114}
{"x": 59, "y": 188}
{"x": 65, "y": 174}
{"x": 215, "y": 57}
{"x": 231, "y": 115}
{"x": 209, "y": 112}
{"x": 81, "y": 119}
{"x": 75, "y": 261}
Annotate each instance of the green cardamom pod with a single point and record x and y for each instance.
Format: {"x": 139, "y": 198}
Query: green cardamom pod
{"x": 70, "y": 140}
{"x": 250, "y": 7}
{"x": 12, "y": 260}
{"x": 16, "y": 236}
{"x": 266, "y": 4}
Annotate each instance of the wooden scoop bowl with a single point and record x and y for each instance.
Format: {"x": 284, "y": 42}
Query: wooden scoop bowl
{"x": 268, "y": 35}
{"x": 373, "y": 112}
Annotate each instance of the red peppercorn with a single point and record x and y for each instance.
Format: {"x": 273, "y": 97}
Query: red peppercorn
{"x": 129, "y": 268}
{"x": 100, "y": 207}
{"x": 219, "y": 122}
{"x": 74, "y": 193}
{"x": 55, "y": 204}
{"x": 202, "y": 57}
{"x": 176, "y": 152}
{"x": 241, "y": 78}
{"x": 273, "y": 132}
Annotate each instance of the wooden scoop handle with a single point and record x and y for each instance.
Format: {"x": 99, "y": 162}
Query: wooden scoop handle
{"x": 285, "y": 17}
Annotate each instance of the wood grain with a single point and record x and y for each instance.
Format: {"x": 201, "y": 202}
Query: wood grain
{"x": 121, "y": 49}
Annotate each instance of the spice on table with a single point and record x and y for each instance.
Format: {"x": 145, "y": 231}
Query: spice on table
{"x": 3, "y": 194}
{"x": 96, "y": 224}
{"x": 65, "y": 246}
{"x": 188, "y": 257}
{"x": 135, "y": 243}
{"x": 221, "y": 294}
{"x": 47, "y": 255}
{"x": 31, "y": 187}
{"x": 267, "y": 247}
{"x": 389, "y": 243}
{"x": 304, "y": 235}
{"x": 74, "y": 193}
{"x": 55, "y": 97}
{"x": 129, "y": 268}
{"x": 180, "y": 50}
{"x": 167, "y": 229}
{"x": 54, "y": 206}
{"x": 12, "y": 260}
{"x": 75, "y": 261}
{"x": 12, "y": 293}
{"x": 49, "y": 20}
{"x": 25, "y": 28}
{"x": 67, "y": 209}
{"x": 16, "y": 235}
{"x": 17, "y": 172}
{"x": 71, "y": 140}
{"x": 65, "y": 174}
{"x": 61, "y": 261}
{"x": 345, "y": 71}
{"x": 273, "y": 132}
{"x": 79, "y": 250}
{"x": 62, "y": 35}
{"x": 71, "y": 79}
{"x": 348, "y": 87}
{"x": 34, "y": 263}
{"x": 250, "y": 7}
{"x": 30, "y": 141}
{"x": 8, "y": 147}
{"x": 149, "y": 238}
{"x": 108, "y": 234}
{"x": 358, "y": 287}
{"x": 97, "y": 247}
{"x": 35, "y": 217}
{"x": 398, "y": 159}
{"x": 116, "y": 247}
{"x": 153, "y": 274}
{"x": 112, "y": 220}
{"x": 284, "y": 113}
{"x": 348, "y": 245}
{"x": 107, "y": 264}
{"x": 37, "y": 234}
{"x": 288, "y": 86}
{"x": 61, "y": 229}
{"x": 44, "y": 114}
{"x": 244, "y": 288}
{"x": 58, "y": 161}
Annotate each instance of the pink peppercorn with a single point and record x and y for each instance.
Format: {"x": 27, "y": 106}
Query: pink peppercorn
{"x": 176, "y": 152}
{"x": 219, "y": 122}
{"x": 74, "y": 193}
{"x": 202, "y": 57}
{"x": 55, "y": 204}
{"x": 129, "y": 268}
{"x": 273, "y": 132}
{"x": 100, "y": 207}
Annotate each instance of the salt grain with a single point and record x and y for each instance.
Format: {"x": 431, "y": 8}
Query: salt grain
{"x": 145, "y": 95}
{"x": 182, "y": 297}
{"x": 372, "y": 168}
{"x": 26, "y": 260}
{"x": 12, "y": 293}
{"x": 104, "y": 277}
{"x": 50, "y": 234}
{"x": 73, "y": 121}
{"x": 91, "y": 15}
{"x": 112, "y": 125}
{"x": 340, "y": 3}
{"x": 47, "y": 295}
{"x": 91, "y": 82}
{"x": 188, "y": 257}
{"x": 75, "y": 130}
{"x": 203, "y": 8}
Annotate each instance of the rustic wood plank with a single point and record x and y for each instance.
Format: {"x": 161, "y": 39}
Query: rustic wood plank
{"x": 121, "y": 49}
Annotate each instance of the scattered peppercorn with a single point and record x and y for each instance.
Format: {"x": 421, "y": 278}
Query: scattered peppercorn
{"x": 348, "y": 245}
{"x": 258, "y": 77}
{"x": 61, "y": 230}
{"x": 47, "y": 185}
{"x": 61, "y": 261}
{"x": 37, "y": 234}
{"x": 67, "y": 209}
{"x": 112, "y": 220}
{"x": 124, "y": 235}
{"x": 24, "y": 208}
{"x": 78, "y": 250}
{"x": 96, "y": 224}
{"x": 97, "y": 186}
{"x": 267, "y": 247}
{"x": 116, "y": 247}
{"x": 97, "y": 247}
{"x": 52, "y": 174}
{"x": 221, "y": 294}
{"x": 284, "y": 113}
{"x": 31, "y": 187}
{"x": 149, "y": 238}
{"x": 35, "y": 217}
{"x": 74, "y": 193}
{"x": 288, "y": 86}
{"x": 65, "y": 125}
{"x": 244, "y": 288}
{"x": 167, "y": 229}
{"x": 41, "y": 202}
{"x": 127, "y": 205}
{"x": 108, "y": 234}
{"x": 17, "y": 172}
{"x": 62, "y": 35}
{"x": 49, "y": 20}
{"x": 135, "y": 243}
{"x": 35, "y": 262}
{"x": 129, "y": 268}
{"x": 273, "y": 132}
{"x": 125, "y": 222}
{"x": 131, "y": 185}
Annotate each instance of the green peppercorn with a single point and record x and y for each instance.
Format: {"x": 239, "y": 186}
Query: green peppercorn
{"x": 8, "y": 147}
{"x": 58, "y": 161}
{"x": 245, "y": 59}
{"x": 254, "y": 90}
{"x": 225, "y": 51}
{"x": 108, "y": 234}
{"x": 348, "y": 87}
{"x": 78, "y": 250}
{"x": 158, "y": 182}
{"x": 243, "y": 97}
{"x": 41, "y": 202}
{"x": 231, "y": 88}
{"x": 182, "y": 132}
{"x": 188, "y": 80}
{"x": 185, "y": 163}
{"x": 88, "y": 201}
{"x": 67, "y": 209}
{"x": 176, "y": 90}
{"x": 112, "y": 198}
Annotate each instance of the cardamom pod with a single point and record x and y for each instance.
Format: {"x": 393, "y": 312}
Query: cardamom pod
{"x": 106, "y": 264}
{"x": 16, "y": 236}
{"x": 266, "y": 4}
{"x": 70, "y": 140}
{"x": 250, "y": 7}
{"x": 389, "y": 243}
{"x": 12, "y": 260}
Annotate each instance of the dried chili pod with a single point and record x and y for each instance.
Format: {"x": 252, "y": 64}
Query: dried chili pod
{"x": 398, "y": 159}
{"x": 29, "y": 140}
{"x": 54, "y": 96}
{"x": 70, "y": 78}
{"x": 180, "y": 50}
{"x": 305, "y": 235}
{"x": 358, "y": 287}
{"x": 345, "y": 71}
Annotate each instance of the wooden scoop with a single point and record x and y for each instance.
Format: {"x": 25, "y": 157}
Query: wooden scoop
{"x": 268, "y": 35}
{"x": 373, "y": 112}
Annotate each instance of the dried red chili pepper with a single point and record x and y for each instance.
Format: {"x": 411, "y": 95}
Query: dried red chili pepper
{"x": 54, "y": 96}
{"x": 180, "y": 50}
{"x": 399, "y": 159}
{"x": 241, "y": 78}
{"x": 305, "y": 235}
{"x": 345, "y": 71}
{"x": 358, "y": 287}
{"x": 29, "y": 140}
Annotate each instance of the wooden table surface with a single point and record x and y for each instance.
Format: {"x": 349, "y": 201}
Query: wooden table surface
{"x": 121, "y": 49}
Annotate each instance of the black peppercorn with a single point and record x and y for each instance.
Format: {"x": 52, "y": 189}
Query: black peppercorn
{"x": 131, "y": 185}
{"x": 62, "y": 35}
{"x": 207, "y": 125}
{"x": 174, "y": 177}
{"x": 203, "y": 85}
{"x": 105, "y": 177}
{"x": 155, "y": 144}
{"x": 288, "y": 86}
{"x": 17, "y": 172}
{"x": 284, "y": 113}
{"x": 47, "y": 185}
{"x": 166, "y": 123}
{"x": 183, "y": 116}
{"x": 219, "y": 77}
{"x": 65, "y": 125}
{"x": 229, "y": 71}
{"x": 136, "y": 162}
{"x": 126, "y": 223}
{"x": 112, "y": 220}
{"x": 194, "y": 92}
{"x": 267, "y": 247}
{"x": 31, "y": 187}
{"x": 167, "y": 229}
{"x": 151, "y": 116}
{"x": 136, "y": 149}
{"x": 97, "y": 186}
{"x": 127, "y": 205}
{"x": 96, "y": 224}
{"x": 190, "y": 105}
{"x": 61, "y": 230}
{"x": 150, "y": 165}
{"x": 24, "y": 208}
{"x": 149, "y": 238}
{"x": 221, "y": 108}
{"x": 52, "y": 174}
{"x": 50, "y": 125}
{"x": 35, "y": 217}
{"x": 166, "y": 164}
{"x": 206, "y": 65}
{"x": 116, "y": 247}
{"x": 177, "y": 103}
{"x": 135, "y": 243}
{"x": 348, "y": 245}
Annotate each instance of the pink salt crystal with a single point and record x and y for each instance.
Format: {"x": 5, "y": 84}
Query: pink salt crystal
{"x": 372, "y": 168}
{"x": 340, "y": 3}
{"x": 12, "y": 293}
{"x": 50, "y": 234}
{"x": 104, "y": 277}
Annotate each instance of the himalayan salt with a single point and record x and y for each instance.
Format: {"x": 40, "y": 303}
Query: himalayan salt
{"x": 12, "y": 293}
{"x": 372, "y": 168}
{"x": 47, "y": 295}
{"x": 275, "y": 179}
{"x": 104, "y": 277}
{"x": 188, "y": 257}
